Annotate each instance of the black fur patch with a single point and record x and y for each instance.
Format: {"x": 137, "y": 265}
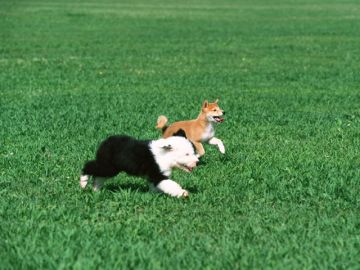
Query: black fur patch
{"x": 124, "y": 154}
{"x": 180, "y": 133}
{"x": 164, "y": 129}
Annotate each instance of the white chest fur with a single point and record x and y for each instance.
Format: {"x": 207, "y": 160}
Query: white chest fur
{"x": 209, "y": 132}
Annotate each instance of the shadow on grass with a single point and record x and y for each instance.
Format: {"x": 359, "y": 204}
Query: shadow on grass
{"x": 221, "y": 157}
{"x": 130, "y": 186}
{"x": 201, "y": 162}
{"x": 139, "y": 188}
{"x": 225, "y": 158}
{"x": 192, "y": 189}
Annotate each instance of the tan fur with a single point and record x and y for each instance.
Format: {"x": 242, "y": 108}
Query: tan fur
{"x": 198, "y": 130}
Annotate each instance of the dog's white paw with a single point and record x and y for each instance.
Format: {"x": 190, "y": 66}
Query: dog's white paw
{"x": 222, "y": 149}
{"x": 172, "y": 188}
{"x": 185, "y": 194}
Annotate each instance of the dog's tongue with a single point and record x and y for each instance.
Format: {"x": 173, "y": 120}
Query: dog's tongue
{"x": 220, "y": 119}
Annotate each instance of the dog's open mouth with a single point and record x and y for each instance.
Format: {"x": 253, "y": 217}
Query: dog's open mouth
{"x": 185, "y": 168}
{"x": 218, "y": 119}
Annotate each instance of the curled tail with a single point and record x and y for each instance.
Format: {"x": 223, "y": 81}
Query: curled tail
{"x": 161, "y": 123}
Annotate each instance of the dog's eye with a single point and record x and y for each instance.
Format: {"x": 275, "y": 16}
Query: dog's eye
{"x": 214, "y": 110}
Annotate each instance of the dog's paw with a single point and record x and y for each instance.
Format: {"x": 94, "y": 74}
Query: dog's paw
{"x": 182, "y": 194}
{"x": 172, "y": 188}
{"x": 185, "y": 194}
{"x": 222, "y": 149}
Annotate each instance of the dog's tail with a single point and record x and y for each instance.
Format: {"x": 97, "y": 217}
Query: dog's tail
{"x": 161, "y": 123}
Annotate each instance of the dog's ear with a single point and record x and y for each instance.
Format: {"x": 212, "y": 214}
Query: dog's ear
{"x": 205, "y": 104}
{"x": 216, "y": 101}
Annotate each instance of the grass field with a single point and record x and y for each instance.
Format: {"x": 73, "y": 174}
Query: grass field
{"x": 285, "y": 195}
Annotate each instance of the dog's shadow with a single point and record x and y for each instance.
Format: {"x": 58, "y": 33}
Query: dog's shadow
{"x": 224, "y": 158}
{"x": 134, "y": 187}
{"x": 192, "y": 189}
{"x": 201, "y": 162}
{"x": 115, "y": 187}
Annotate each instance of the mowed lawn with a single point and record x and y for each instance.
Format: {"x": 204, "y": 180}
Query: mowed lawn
{"x": 284, "y": 196}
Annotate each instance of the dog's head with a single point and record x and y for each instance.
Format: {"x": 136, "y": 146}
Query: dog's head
{"x": 177, "y": 152}
{"x": 213, "y": 111}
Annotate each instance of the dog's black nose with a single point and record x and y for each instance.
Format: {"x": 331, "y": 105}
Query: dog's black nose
{"x": 223, "y": 112}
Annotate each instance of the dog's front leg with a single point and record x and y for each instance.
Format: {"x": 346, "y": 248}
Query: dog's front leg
{"x": 219, "y": 143}
{"x": 171, "y": 188}
{"x": 199, "y": 148}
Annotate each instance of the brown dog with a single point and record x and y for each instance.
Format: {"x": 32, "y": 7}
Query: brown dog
{"x": 198, "y": 130}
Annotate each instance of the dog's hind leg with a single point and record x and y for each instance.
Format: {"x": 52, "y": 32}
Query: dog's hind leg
{"x": 104, "y": 172}
{"x": 99, "y": 171}
{"x": 84, "y": 180}
{"x": 98, "y": 183}
{"x": 219, "y": 143}
{"x": 171, "y": 188}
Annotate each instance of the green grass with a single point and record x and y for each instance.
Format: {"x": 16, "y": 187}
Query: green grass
{"x": 285, "y": 196}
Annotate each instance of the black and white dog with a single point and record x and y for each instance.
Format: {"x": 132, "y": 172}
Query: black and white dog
{"x": 153, "y": 159}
